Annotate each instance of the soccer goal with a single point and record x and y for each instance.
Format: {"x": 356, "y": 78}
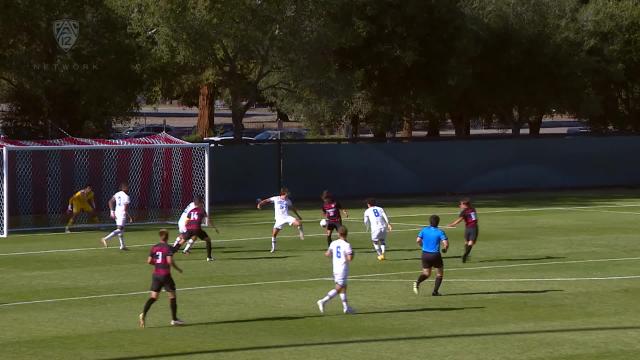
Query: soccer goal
{"x": 37, "y": 180}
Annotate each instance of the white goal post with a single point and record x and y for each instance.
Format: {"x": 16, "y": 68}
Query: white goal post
{"x": 37, "y": 181}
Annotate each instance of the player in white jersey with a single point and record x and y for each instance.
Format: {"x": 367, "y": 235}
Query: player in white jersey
{"x": 377, "y": 221}
{"x": 119, "y": 208}
{"x": 182, "y": 222}
{"x": 342, "y": 254}
{"x": 281, "y": 206}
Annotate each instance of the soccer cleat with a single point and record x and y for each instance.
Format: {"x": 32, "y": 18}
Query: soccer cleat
{"x": 210, "y": 259}
{"x": 67, "y": 230}
{"x": 177, "y": 322}
{"x": 124, "y": 248}
{"x": 381, "y": 257}
{"x": 416, "y": 288}
{"x": 320, "y": 306}
{"x": 464, "y": 258}
{"x": 104, "y": 242}
{"x": 349, "y": 310}
{"x": 186, "y": 252}
{"x": 141, "y": 320}
{"x": 435, "y": 293}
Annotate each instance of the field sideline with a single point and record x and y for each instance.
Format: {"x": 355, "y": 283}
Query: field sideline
{"x": 554, "y": 276}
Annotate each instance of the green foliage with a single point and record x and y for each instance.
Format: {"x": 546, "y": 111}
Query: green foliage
{"x": 81, "y": 91}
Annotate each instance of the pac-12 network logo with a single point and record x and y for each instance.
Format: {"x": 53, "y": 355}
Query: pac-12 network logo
{"x": 66, "y": 33}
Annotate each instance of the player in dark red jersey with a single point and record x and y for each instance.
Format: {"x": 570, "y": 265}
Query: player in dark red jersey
{"x": 469, "y": 215}
{"x": 161, "y": 257}
{"x": 331, "y": 211}
{"x": 195, "y": 218}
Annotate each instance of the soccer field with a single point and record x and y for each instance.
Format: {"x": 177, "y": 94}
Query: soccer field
{"x": 553, "y": 276}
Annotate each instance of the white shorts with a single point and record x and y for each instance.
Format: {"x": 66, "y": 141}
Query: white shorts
{"x": 341, "y": 278}
{"x": 280, "y": 222}
{"x": 121, "y": 220}
{"x": 378, "y": 234}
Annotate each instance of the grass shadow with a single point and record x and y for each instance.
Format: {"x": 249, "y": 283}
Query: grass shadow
{"x": 504, "y": 292}
{"x": 379, "y": 340}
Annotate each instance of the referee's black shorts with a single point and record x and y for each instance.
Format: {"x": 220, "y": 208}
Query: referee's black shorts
{"x": 430, "y": 260}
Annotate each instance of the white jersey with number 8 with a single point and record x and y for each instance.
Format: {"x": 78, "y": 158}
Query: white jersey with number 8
{"x": 376, "y": 219}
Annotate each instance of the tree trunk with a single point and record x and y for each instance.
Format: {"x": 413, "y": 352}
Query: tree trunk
{"x": 461, "y": 124}
{"x": 433, "y": 125}
{"x": 206, "y": 111}
{"x": 238, "y": 110}
{"x": 535, "y": 122}
{"x": 407, "y": 127}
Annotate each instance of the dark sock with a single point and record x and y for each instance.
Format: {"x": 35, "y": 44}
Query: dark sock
{"x": 147, "y": 306}
{"x": 208, "y": 243}
{"x": 437, "y": 285}
{"x": 174, "y": 308}
{"x": 329, "y": 240}
{"x": 421, "y": 278}
{"x": 467, "y": 250}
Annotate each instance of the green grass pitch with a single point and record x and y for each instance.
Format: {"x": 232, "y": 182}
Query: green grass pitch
{"x": 553, "y": 276}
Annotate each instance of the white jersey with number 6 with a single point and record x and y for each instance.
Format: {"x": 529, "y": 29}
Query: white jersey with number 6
{"x": 281, "y": 207}
{"x": 376, "y": 219}
{"x": 122, "y": 200}
{"x": 339, "y": 250}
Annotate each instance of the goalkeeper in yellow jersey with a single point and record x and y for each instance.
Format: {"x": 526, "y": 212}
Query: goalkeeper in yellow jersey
{"x": 82, "y": 201}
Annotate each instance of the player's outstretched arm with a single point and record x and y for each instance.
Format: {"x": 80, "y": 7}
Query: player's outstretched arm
{"x": 263, "y": 202}
{"x": 295, "y": 211}
{"x": 456, "y": 222}
{"x": 328, "y": 253}
{"x": 150, "y": 260}
{"x": 419, "y": 241}
{"x": 173, "y": 264}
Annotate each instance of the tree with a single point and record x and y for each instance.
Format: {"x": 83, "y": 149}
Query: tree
{"x": 609, "y": 32}
{"x": 51, "y": 92}
{"x": 222, "y": 47}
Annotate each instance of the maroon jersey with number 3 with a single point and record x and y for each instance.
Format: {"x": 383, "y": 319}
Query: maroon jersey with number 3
{"x": 195, "y": 217}
{"x": 470, "y": 217}
{"x": 332, "y": 211}
{"x": 159, "y": 255}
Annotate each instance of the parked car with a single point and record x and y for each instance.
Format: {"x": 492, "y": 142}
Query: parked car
{"x": 284, "y": 134}
{"x": 246, "y": 132}
{"x": 221, "y": 140}
{"x": 146, "y": 130}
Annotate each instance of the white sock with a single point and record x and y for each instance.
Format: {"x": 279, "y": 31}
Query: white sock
{"x": 377, "y": 247}
{"x": 273, "y": 243}
{"x": 175, "y": 243}
{"x": 301, "y": 229}
{"x": 112, "y": 234}
{"x": 189, "y": 244}
{"x": 121, "y": 239}
{"x": 330, "y": 295}
{"x": 343, "y": 297}
{"x": 382, "y": 248}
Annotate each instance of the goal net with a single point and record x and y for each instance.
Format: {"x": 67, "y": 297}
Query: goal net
{"x": 38, "y": 178}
